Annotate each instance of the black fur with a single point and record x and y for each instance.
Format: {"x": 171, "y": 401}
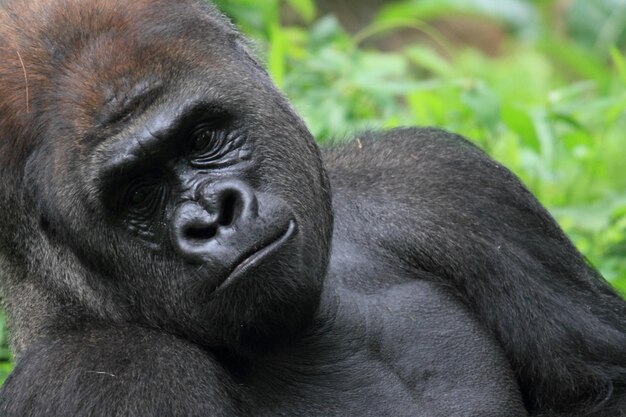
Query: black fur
{"x": 173, "y": 243}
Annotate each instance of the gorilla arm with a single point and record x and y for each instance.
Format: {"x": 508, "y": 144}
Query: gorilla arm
{"x": 117, "y": 372}
{"x": 437, "y": 203}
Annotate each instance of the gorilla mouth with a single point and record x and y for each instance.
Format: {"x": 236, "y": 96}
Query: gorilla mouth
{"x": 256, "y": 255}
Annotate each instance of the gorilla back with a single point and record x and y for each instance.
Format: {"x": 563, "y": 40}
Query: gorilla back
{"x": 170, "y": 244}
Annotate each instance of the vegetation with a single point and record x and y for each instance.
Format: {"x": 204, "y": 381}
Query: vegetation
{"x": 548, "y": 103}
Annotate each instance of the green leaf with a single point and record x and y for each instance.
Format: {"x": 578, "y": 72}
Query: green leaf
{"x": 619, "y": 62}
{"x": 276, "y": 55}
{"x": 430, "y": 60}
{"x": 576, "y": 58}
{"x": 305, "y": 9}
{"x": 484, "y": 103}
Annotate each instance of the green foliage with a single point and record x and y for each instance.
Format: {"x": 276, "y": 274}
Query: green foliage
{"x": 598, "y": 24}
{"x": 5, "y": 357}
{"x": 519, "y": 15}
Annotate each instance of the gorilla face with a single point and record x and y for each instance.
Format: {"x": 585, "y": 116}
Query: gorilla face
{"x": 180, "y": 187}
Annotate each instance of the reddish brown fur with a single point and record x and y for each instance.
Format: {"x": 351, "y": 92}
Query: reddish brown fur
{"x": 62, "y": 60}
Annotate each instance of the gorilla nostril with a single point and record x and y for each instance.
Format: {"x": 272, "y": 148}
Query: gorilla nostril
{"x": 200, "y": 233}
{"x": 231, "y": 206}
{"x": 219, "y": 206}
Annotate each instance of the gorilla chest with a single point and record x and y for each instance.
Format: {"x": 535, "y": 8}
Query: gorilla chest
{"x": 405, "y": 349}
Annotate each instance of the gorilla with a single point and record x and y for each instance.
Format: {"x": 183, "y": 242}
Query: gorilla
{"x": 173, "y": 243}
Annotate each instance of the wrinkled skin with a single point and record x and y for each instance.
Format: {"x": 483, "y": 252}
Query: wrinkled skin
{"x": 170, "y": 244}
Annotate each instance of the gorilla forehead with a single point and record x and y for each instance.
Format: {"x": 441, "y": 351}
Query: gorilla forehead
{"x": 112, "y": 53}
{"x": 85, "y": 20}
{"x": 109, "y": 33}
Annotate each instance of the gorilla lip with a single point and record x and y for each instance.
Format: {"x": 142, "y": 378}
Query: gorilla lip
{"x": 252, "y": 259}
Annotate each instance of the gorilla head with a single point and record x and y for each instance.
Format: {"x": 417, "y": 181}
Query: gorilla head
{"x": 152, "y": 173}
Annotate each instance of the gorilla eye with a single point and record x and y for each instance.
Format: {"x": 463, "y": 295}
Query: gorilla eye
{"x": 140, "y": 193}
{"x": 139, "y": 196}
{"x": 206, "y": 142}
{"x": 137, "y": 199}
{"x": 144, "y": 197}
{"x": 215, "y": 148}
{"x": 202, "y": 140}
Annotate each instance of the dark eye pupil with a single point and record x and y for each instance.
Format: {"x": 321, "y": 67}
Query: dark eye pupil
{"x": 138, "y": 196}
{"x": 201, "y": 141}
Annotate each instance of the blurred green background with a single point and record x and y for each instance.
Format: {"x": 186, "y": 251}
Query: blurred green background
{"x": 540, "y": 85}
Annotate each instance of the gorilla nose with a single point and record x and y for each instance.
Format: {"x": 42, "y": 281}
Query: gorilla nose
{"x": 201, "y": 228}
